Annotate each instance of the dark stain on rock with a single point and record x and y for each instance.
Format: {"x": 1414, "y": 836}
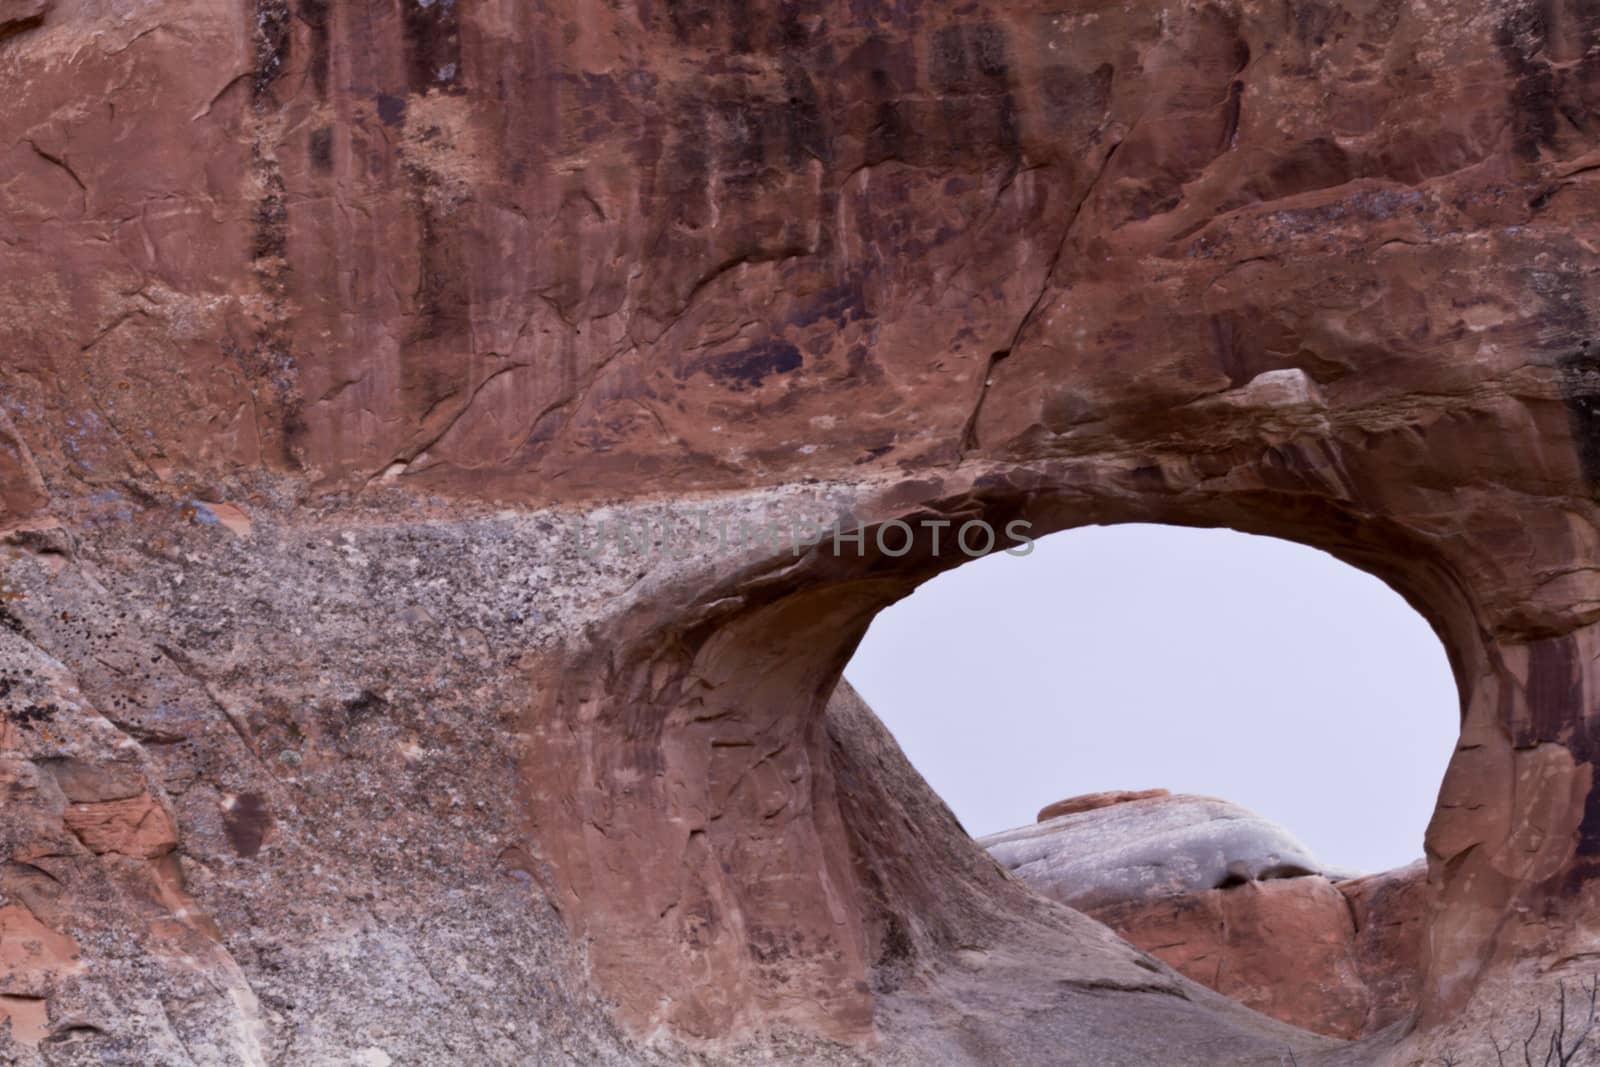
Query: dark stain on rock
{"x": 713, "y": 22}
{"x": 1007, "y": 125}
{"x": 1580, "y": 392}
{"x": 969, "y": 67}
{"x": 1232, "y": 359}
{"x": 1581, "y": 88}
{"x": 433, "y": 43}
{"x": 293, "y": 430}
{"x": 969, "y": 58}
{"x": 246, "y": 824}
{"x": 789, "y": 33}
{"x": 1557, "y": 715}
{"x": 987, "y": 44}
{"x": 743, "y": 146}
{"x": 442, "y": 297}
{"x": 842, "y": 303}
{"x": 1076, "y": 100}
{"x": 272, "y": 39}
{"x": 314, "y": 15}
{"x": 269, "y": 239}
{"x": 1555, "y": 693}
{"x": 20, "y": 20}
{"x": 391, "y": 109}
{"x": 886, "y": 139}
{"x": 750, "y": 367}
{"x": 364, "y": 704}
{"x": 269, "y": 360}
{"x": 1588, "y": 837}
{"x": 1521, "y": 37}
{"x": 947, "y": 59}
{"x": 878, "y": 73}
{"x": 270, "y": 236}
{"x": 9, "y": 620}
{"x": 1218, "y": 42}
{"x": 319, "y": 150}
{"x": 740, "y": 27}
{"x": 1316, "y": 164}
{"x": 805, "y": 130}
{"x": 768, "y": 946}
{"x": 32, "y": 715}
{"x": 1585, "y": 747}
{"x": 686, "y": 177}
{"x": 1230, "y": 116}
{"x": 1313, "y": 22}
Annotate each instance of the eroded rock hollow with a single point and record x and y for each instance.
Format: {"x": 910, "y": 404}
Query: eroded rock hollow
{"x": 330, "y": 331}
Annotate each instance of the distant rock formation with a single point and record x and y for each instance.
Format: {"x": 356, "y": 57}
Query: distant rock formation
{"x": 1158, "y": 846}
{"x": 1234, "y": 901}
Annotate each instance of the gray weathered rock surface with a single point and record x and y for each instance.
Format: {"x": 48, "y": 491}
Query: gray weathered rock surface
{"x": 1148, "y": 848}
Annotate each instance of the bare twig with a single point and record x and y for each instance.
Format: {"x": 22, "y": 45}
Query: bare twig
{"x": 1557, "y": 1052}
{"x": 1565, "y": 1056}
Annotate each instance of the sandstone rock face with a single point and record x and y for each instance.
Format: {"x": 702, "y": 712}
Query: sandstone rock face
{"x": 1284, "y": 948}
{"x": 1156, "y": 847}
{"x": 1233, "y": 901}
{"x": 1338, "y": 958}
{"x": 1390, "y": 912}
{"x": 322, "y": 324}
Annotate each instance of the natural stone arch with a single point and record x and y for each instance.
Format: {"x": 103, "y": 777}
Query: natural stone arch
{"x": 1307, "y": 269}
{"x": 696, "y": 720}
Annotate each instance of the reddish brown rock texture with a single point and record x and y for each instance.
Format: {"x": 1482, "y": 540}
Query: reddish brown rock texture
{"x": 1390, "y": 914}
{"x": 1339, "y": 958}
{"x": 1282, "y": 947}
{"x": 389, "y": 278}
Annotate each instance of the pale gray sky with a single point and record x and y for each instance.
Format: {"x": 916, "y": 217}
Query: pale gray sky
{"x": 1201, "y": 661}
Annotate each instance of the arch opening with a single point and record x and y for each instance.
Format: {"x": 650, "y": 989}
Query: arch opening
{"x": 1150, "y": 666}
